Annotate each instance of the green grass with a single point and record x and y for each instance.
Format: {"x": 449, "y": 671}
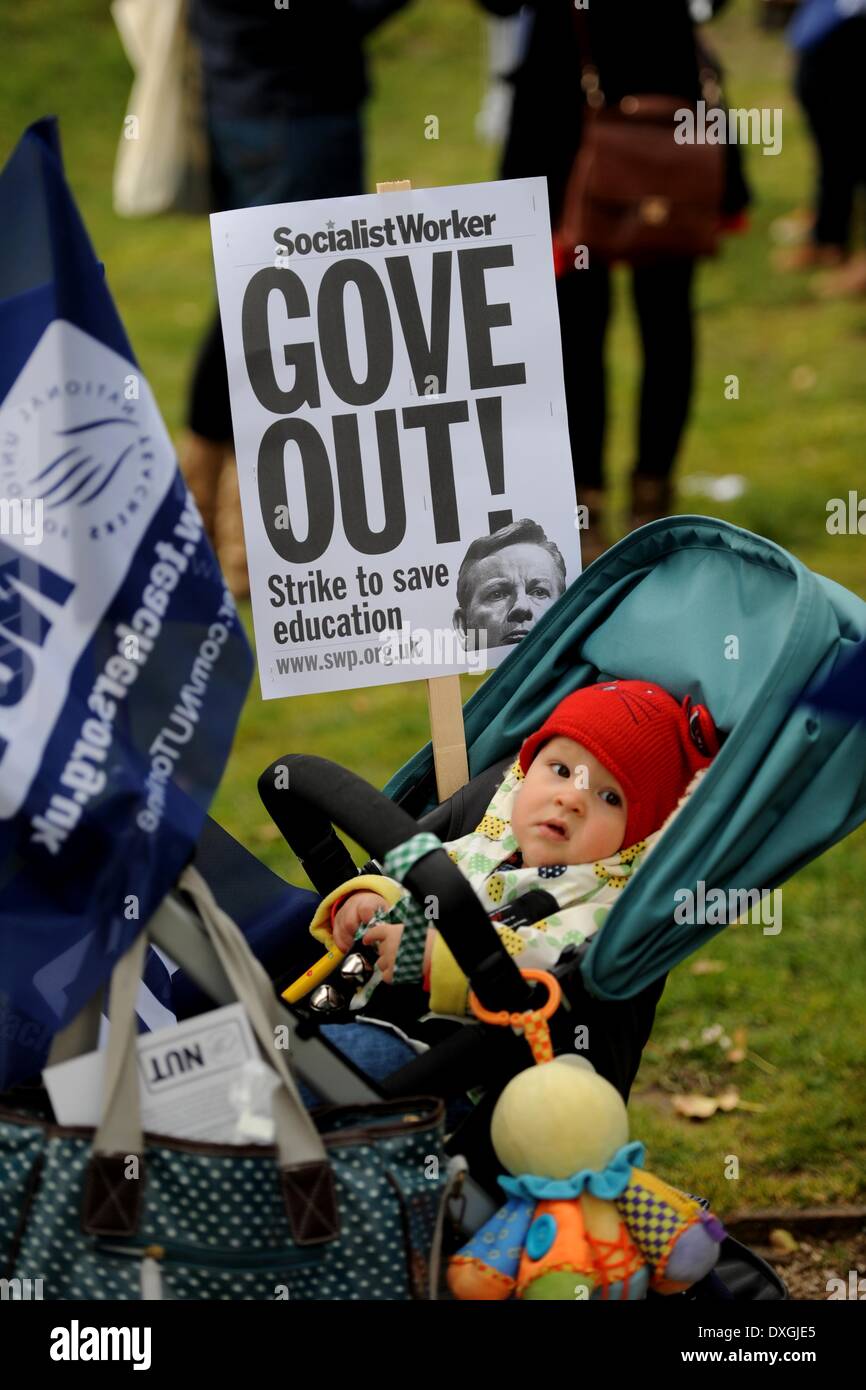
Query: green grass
{"x": 796, "y": 437}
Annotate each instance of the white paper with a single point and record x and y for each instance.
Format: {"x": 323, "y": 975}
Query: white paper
{"x": 345, "y": 483}
{"x": 192, "y": 1076}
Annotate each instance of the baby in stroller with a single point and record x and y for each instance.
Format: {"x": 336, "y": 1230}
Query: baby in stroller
{"x": 587, "y": 799}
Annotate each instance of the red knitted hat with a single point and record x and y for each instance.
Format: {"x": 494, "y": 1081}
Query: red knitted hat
{"x": 652, "y": 745}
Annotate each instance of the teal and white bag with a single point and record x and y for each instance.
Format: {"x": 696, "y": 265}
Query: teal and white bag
{"x": 346, "y": 1205}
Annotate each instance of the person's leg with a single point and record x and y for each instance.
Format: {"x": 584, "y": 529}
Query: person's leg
{"x": 584, "y": 308}
{"x": 817, "y": 87}
{"x": 208, "y": 414}
{"x": 206, "y": 446}
{"x": 254, "y": 163}
{"x": 843, "y": 56}
{"x": 207, "y": 442}
{"x": 663, "y": 300}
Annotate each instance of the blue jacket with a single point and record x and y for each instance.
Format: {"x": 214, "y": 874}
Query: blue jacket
{"x": 815, "y": 20}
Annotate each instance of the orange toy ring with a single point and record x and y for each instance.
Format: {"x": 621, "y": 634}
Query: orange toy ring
{"x": 505, "y": 1019}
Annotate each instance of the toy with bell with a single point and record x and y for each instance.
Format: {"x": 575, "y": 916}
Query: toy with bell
{"x": 583, "y": 1219}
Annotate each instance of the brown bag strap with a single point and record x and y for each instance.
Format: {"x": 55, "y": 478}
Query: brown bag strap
{"x": 590, "y": 80}
{"x": 589, "y": 76}
{"x": 80, "y": 1034}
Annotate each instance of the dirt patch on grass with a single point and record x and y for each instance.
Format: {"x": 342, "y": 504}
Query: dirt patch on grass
{"x": 809, "y": 1269}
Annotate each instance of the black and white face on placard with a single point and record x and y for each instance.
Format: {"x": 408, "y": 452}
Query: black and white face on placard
{"x": 399, "y": 417}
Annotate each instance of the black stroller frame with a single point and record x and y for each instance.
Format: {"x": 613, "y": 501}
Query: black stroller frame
{"x": 321, "y": 794}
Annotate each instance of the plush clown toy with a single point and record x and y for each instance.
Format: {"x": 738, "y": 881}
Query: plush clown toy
{"x": 583, "y": 1220}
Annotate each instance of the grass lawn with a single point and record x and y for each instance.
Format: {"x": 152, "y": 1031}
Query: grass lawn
{"x": 796, "y": 434}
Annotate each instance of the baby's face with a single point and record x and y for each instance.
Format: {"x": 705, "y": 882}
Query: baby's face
{"x": 569, "y": 809}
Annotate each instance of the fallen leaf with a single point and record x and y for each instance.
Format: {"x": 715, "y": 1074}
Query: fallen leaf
{"x": 803, "y": 378}
{"x": 707, "y": 967}
{"x": 737, "y": 1044}
{"x": 698, "y": 1107}
{"x": 783, "y": 1240}
{"x": 695, "y": 1107}
{"x": 761, "y": 1063}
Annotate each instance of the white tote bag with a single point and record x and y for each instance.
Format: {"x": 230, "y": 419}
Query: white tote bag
{"x": 162, "y": 163}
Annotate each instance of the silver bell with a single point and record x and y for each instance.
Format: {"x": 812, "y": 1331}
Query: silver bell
{"x": 326, "y": 1000}
{"x": 355, "y": 970}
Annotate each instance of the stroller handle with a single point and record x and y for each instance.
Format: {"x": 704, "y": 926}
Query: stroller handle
{"x": 306, "y": 796}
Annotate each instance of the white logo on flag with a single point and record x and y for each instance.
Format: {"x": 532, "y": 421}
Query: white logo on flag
{"x": 100, "y": 465}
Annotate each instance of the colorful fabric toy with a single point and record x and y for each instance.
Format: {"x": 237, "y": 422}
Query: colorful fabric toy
{"x": 583, "y": 1219}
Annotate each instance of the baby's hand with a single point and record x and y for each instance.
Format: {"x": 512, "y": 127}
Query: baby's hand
{"x": 387, "y": 935}
{"x": 352, "y": 914}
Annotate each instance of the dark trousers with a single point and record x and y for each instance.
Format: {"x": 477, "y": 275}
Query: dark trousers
{"x": 662, "y": 299}
{"x": 829, "y": 86}
{"x": 261, "y": 161}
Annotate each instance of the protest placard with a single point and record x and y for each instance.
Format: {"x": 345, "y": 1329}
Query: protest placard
{"x": 400, "y": 427}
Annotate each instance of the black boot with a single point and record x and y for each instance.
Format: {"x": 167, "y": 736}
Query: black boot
{"x": 592, "y": 538}
{"x": 651, "y": 498}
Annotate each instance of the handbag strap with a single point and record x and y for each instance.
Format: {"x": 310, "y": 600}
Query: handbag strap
{"x": 589, "y": 75}
{"x": 81, "y": 1033}
{"x": 112, "y": 1202}
{"x": 590, "y": 80}
{"x": 297, "y": 1138}
{"x": 120, "y": 1128}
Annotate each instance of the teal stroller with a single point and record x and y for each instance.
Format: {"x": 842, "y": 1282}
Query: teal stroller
{"x": 703, "y": 608}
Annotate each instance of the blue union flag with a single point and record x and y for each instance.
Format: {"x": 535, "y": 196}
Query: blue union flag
{"x": 123, "y": 666}
{"x": 843, "y": 692}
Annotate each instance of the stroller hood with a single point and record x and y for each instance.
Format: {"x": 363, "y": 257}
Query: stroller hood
{"x": 706, "y": 609}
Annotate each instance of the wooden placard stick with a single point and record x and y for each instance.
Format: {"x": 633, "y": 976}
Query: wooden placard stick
{"x": 444, "y": 704}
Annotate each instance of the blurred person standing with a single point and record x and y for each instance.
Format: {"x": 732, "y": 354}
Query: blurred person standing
{"x": 829, "y": 38}
{"x": 283, "y": 89}
{"x": 636, "y": 47}
{"x": 504, "y": 42}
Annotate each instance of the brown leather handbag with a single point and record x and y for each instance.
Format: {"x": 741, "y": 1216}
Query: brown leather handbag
{"x": 634, "y": 194}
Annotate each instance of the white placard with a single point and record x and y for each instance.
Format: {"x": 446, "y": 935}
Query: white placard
{"x": 396, "y": 387}
{"x": 196, "y": 1081}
